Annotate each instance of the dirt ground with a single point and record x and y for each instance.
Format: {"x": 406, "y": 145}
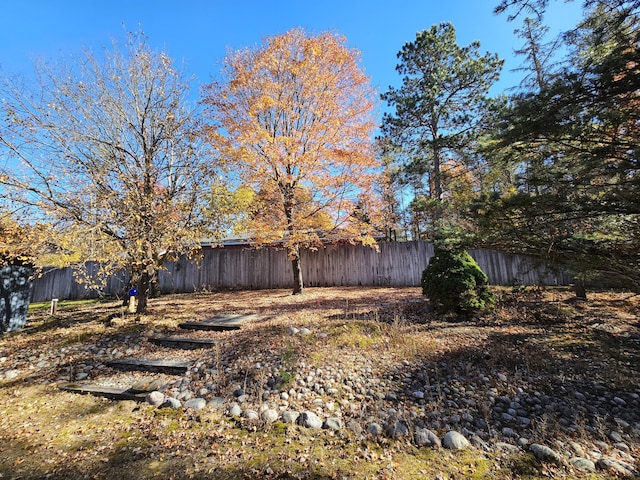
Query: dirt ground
{"x": 561, "y": 345}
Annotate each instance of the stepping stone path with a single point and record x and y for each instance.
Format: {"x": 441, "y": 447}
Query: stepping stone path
{"x": 142, "y": 390}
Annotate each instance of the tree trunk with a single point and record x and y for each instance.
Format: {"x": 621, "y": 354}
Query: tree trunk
{"x": 437, "y": 175}
{"x": 437, "y": 184}
{"x": 580, "y": 290}
{"x": 154, "y": 287}
{"x": 144, "y": 285}
{"x": 298, "y": 285}
{"x": 294, "y": 250}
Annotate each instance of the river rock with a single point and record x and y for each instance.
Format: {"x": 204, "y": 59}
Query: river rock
{"x": 250, "y": 415}
{"x": 333, "y": 423}
{"x": 171, "y": 402}
{"x": 216, "y": 403}
{"x": 196, "y": 403}
{"x": 155, "y": 398}
{"x": 310, "y": 420}
{"x": 507, "y": 447}
{"x": 616, "y": 466}
{"x": 147, "y": 384}
{"x": 616, "y": 437}
{"x": 478, "y": 442}
{"x": 426, "y": 438}
{"x": 269, "y": 415}
{"x": 374, "y": 429}
{"x": 354, "y": 426}
{"x": 397, "y": 429}
{"x": 577, "y": 448}
{"x": 583, "y": 464}
{"x": 455, "y": 441}
{"x": 238, "y": 392}
{"x": 619, "y": 401}
{"x": 544, "y": 453}
{"x": 290, "y": 417}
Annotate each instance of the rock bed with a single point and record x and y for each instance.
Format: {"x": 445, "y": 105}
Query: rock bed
{"x": 471, "y": 410}
{"x": 433, "y": 404}
{"x": 445, "y": 403}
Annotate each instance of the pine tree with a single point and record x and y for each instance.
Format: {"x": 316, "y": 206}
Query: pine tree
{"x": 438, "y": 110}
{"x": 583, "y": 126}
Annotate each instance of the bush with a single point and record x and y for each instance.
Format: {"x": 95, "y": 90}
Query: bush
{"x": 454, "y": 282}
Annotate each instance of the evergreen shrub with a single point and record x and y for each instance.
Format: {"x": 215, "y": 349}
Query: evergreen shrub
{"x": 454, "y": 282}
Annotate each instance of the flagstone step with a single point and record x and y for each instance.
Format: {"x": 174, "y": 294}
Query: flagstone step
{"x": 111, "y": 393}
{"x": 184, "y": 342}
{"x": 162, "y": 366}
{"x": 220, "y": 322}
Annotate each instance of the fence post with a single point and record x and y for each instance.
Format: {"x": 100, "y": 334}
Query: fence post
{"x": 54, "y": 305}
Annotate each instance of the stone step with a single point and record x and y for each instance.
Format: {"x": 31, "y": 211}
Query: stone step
{"x": 184, "y": 342}
{"x": 106, "y": 392}
{"x": 161, "y": 366}
{"x": 213, "y": 327}
{"x": 220, "y": 322}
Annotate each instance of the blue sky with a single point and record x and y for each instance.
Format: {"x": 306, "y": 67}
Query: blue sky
{"x": 197, "y": 33}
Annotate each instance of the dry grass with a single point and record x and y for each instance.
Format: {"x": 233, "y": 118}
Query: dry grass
{"x": 48, "y": 433}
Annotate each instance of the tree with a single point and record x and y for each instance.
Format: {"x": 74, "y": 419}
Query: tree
{"x": 294, "y": 118}
{"x": 14, "y": 240}
{"x": 538, "y": 53}
{"x": 108, "y": 151}
{"x": 439, "y": 107}
{"x": 389, "y": 192}
{"x": 538, "y": 7}
{"x": 583, "y": 212}
{"x": 229, "y": 209}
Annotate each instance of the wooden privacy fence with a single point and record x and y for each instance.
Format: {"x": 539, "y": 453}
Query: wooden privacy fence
{"x": 396, "y": 264}
{"x": 60, "y": 283}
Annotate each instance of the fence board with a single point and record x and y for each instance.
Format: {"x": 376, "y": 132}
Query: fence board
{"x": 396, "y": 264}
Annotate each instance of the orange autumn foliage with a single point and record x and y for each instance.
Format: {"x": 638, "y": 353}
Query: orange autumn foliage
{"x": 295, "y": 117}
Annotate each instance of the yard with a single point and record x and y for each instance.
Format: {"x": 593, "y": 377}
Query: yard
{"x": 541, "y": 369}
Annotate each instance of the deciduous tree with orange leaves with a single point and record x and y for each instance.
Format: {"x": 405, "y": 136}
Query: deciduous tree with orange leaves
{"x": 295, "y": 117}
